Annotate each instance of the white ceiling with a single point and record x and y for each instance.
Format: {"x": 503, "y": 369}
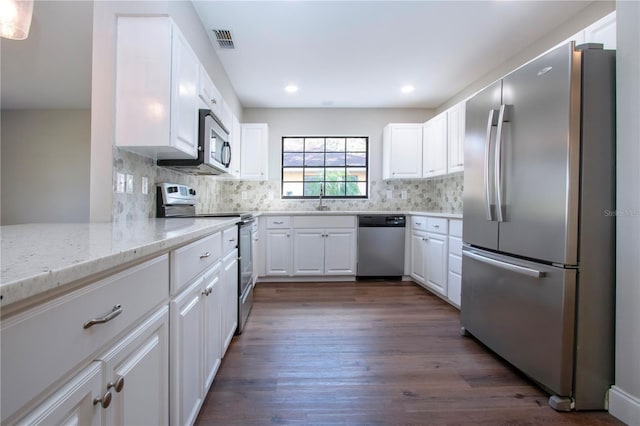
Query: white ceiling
{"x": 52, "y": 67}
{"x": 359, "y": 53}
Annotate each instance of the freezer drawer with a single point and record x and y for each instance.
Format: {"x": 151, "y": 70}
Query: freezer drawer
{"x": 523, "y": 311}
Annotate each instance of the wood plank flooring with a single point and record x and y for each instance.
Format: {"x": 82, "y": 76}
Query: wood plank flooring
{"x": 377, "y": 353}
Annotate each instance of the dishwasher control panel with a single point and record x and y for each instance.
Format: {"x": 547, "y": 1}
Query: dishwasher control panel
{"x": 381, "y": 220}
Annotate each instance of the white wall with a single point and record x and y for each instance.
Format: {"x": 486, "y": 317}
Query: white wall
{"x": 103, "y": 83}
{"x": 625, "y": 395}
{"x": 45, "y": 166}
{"x": 331, "y": 122}
{"x": 577, "y": 23}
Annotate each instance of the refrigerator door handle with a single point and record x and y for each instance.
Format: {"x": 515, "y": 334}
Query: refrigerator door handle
{"x": 502, "y": 117}
{"x": 504, "y": 265}
{"x": 487, "y": 158}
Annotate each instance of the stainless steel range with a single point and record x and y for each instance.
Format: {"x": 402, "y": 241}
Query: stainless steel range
{"x": 175, "y": 200}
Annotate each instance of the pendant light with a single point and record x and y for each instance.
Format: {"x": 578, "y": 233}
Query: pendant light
{"x": 15, "y": 18}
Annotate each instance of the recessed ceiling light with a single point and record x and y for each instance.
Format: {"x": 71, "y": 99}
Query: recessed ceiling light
{"x": 292, "y": 88}
{"x": 407, "y": 89}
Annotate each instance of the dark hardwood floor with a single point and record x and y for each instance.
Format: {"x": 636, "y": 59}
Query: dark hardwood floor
{"x": 368, "y": 353}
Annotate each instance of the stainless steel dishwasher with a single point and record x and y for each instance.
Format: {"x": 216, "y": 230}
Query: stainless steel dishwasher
{"x": 381, "y": 246}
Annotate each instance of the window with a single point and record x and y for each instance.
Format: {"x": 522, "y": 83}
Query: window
{"x": 337, "y": 165}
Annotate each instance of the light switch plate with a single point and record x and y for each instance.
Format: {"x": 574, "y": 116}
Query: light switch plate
{"x": 244, "y": 195}
{"x": 129, "y": 184}
{"x": 120, "y": 182}
{"x": 404, "y": 194}
{"x": 389, "y": 194}
{"x": 270, "y": 195}
{"x": 145, "y": 185}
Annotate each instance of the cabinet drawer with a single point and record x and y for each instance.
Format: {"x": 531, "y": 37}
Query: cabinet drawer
{"x": 437, "y": 225}
{"x": 455, "y": 263}
{"x": 45, "y": 343}
{"x": 418, "y": 223}
{"x": 324, "y": 221}
{"x": 455, "y": 227}
{"x": 278, "y": 222}
{"x": 455, "y": 246}
{"x": 187, "y": 262}
{"x": 229, "y": 239}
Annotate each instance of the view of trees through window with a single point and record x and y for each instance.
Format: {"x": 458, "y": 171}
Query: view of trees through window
{"x": 337, "y": 165}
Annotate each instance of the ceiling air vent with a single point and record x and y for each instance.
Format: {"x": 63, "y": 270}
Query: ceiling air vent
{"x": 224, "y": 39}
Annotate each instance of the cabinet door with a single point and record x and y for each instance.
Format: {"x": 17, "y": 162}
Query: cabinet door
{"x": 226, "y": 116}
{"x": 73, "y": 403}
{"x": 340, "y": 252}
{"x": 418, "y": 256}
{"x": 434, "y": 148}
{"x": 236, "y": 130}
{"x": 209, "y": 93}
{"x": 186, "y": 313}
{"x": 436, "y": 267}
{"x": 230, "y": 295}
{"x": 253, "y": 151}
{"x": 278, "y": 256}
{"x": 184, "y": 102}
{"x": 213, "y": 305}
{"x": 455, "y": 138}
{"x": 308, "y": 257}
{"x": 137, "y": 374}
{"x": 403, "y": 147}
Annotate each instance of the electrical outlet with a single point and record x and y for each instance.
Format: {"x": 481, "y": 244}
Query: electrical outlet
{"x": 404, "y": 194}
{"x": 270, "y": 195}
{"x": 129, "y": 184}
{"x": 120, "y": 182}
{"x": 144, "y": 186}
{"x": 389, "y": 194}
{"x": 244, "y": 195}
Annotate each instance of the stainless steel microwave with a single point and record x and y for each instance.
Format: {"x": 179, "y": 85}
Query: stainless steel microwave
{"x": 214, "y": 150}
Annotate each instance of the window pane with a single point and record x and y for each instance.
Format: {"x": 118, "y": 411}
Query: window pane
{"x": 356, "y": 159}
{"x": 357, "y": 144}
{"x": 356, "y": 189}
{"x": 292, "y": 174}
{"x": 314, "y": 144}
{"x": 357, "y": 174}
{"x": 334, "y": 189}
{"x": 292, "y": 189}
{"x": 335, "y": 159}
{"x": 292, "y": 159}
{"x": 314, "y": 159}
{"x": 312, "y": 189}
{"x": 333, "y": 174}
{"x": 313, "y": 174}
{"x": 293, "y": 144}
{"x": 335, "y": 144}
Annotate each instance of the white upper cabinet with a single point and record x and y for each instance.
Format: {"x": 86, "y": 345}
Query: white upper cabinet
{"x": 209, "y": 93}
{"x": 234, "y": 141}
{"x": 402, "y": 151}
{"x": 253, "y": 151}
{"x": 455, "y": 138}
{"x": 157, "y": 77}
{"x": 226, "y": 116}
{"x": 434, "y": 148}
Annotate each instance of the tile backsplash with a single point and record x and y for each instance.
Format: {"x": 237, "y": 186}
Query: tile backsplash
{"x": 215, "y": 194}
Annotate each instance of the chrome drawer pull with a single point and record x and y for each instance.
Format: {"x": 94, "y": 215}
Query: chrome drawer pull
{"x": 278, "y": 223}
{"x": 117, "y": 310}
{"x": 105, "y": 401}
{"x": 118, "y": 385}
{"x": 204, "y": 256}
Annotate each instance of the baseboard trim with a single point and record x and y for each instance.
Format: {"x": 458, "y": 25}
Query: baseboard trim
{"x": 624, "y": 406}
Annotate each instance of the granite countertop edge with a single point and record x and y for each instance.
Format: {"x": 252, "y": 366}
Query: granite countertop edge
{"x": 20, "y": 288}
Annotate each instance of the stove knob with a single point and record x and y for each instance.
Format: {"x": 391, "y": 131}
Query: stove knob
{"x": 192, "y": 192}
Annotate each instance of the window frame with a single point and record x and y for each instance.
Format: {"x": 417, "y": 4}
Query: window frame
{"x": 331, "y": 197}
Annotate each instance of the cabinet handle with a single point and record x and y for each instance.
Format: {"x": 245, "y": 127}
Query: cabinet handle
{"x": 287, "y": 235}
{"x": 117, "y": 310}
{"x": 213, "y": 101}
{"x": 278, "y": 223}
{"x": 204, "y": 256}
{"x": 233, "y": 240}
{"x": 207, "y": 291}
{"x": 436, "y": 226}
{"x": 105, "y": 400}
{"x": 431, "y": 171}
{"x": 418, "y": 223}
{"x": 118, "y": 385}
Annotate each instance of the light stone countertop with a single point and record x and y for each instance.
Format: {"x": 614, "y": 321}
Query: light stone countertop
{"x": 37, "y": 258}
{"x": 357, "y": 212}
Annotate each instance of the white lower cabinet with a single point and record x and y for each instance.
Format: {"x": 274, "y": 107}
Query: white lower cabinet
{"x": 429, "y": 252}
{"x": 324, "y": 252}
{"x": 73, "y": 403}
{"x": 137, "y": 374}
{"x": 229, "y": 298}
{"x": 436, "y": 264}
{"x": 308, "y": 251}
{"x": 278, "y": 252}
{"x": 212, "y": 343}
{"x": 418, "y": 256}
{"x": 340, "y": 252}
{"x": 454, "y": 281}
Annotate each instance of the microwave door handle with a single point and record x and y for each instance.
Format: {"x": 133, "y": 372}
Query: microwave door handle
{"x": 226, "y": 154}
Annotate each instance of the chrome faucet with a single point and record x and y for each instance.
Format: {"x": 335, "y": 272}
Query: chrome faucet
{"x": 320, "y": 206}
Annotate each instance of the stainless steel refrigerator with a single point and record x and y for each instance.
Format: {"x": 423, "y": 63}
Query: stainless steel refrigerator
{"x": 538, "y": 267}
